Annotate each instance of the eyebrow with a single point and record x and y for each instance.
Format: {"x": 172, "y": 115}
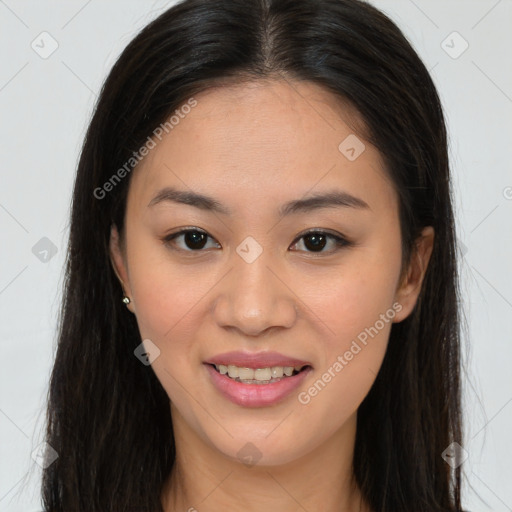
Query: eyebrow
{"x": 329, "y": 199}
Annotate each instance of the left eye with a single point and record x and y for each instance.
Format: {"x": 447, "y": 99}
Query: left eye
{"x": 315, "y": 241}
{"x": 318, "y": 240}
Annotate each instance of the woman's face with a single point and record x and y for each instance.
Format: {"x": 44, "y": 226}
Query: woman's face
{"x": 250, "y": 279}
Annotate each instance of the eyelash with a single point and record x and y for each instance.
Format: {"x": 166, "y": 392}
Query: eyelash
{"x": 340, "y": 241}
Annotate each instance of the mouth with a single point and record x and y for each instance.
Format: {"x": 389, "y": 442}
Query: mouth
{"x": 257, "y": 387}
{"x": 262, "y": 376}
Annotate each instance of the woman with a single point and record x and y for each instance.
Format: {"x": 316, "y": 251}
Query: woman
{"x": 260, "y": 310}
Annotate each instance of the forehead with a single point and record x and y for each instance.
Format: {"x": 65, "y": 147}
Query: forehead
{"x": 268, "y": 139}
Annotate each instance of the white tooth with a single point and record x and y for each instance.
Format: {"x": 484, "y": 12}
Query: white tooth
{"x": 233, "y": 371}
{"x": 263, "y": 374}
{"x": 260, "y": 374}
{"x": 245, "y": 373}
{"x": 277, "y": 372}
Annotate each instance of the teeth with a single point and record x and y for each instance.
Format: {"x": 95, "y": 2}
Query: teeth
{"x": 260, "y": 374}
{"x": 277, "y": 372}
{"x": 233, "y": 371}
{"x": 245, "y": 373}
{"x": 288, "y": 370}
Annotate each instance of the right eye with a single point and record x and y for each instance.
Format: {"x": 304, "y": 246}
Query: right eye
{"x": 194, "y": 239}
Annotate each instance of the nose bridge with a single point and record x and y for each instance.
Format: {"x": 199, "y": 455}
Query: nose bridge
{"x": 252, "y": 298}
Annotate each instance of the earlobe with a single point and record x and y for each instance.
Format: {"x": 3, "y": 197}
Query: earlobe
{"x": 410, "y": 285}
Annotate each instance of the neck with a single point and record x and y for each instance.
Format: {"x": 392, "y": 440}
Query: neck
{"x": 205, "y": 479}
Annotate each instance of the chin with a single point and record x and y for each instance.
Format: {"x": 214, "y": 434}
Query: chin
{"x": 252, "y": 449}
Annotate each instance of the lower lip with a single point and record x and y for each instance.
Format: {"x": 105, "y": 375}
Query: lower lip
{"x": 256, "y": 395}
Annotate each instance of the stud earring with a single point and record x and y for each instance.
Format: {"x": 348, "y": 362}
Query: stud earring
{"x": 126, "y": 300}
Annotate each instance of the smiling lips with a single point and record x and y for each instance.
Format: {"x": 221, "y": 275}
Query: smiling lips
{"x": 257, "y": 379}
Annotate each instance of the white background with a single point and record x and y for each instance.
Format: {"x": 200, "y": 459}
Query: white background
{"x": 45, "y": 105}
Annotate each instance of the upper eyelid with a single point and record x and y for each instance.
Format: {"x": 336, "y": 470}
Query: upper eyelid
{"x": 303, "y": 233}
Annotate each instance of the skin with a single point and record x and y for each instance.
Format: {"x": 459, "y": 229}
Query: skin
{"x": 253, "y": 147}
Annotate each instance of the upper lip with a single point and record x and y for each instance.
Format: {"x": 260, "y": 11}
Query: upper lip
{"x": 256, "y": 359}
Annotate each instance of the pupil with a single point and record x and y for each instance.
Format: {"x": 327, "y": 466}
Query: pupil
{"x": 318, "y": 241}
{"x": 195, "y": 240}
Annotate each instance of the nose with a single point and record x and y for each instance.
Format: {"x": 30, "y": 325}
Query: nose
{"x": 255, "y": 297}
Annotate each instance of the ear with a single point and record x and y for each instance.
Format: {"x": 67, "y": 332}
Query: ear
{"x": 409, "y": 287}
{"x": 118, "y": 260}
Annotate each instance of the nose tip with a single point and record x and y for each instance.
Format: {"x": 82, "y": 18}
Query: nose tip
{"x": 255, "y": 324}
{"x": 254, "y": 301}
{"x": 255, "y": 321}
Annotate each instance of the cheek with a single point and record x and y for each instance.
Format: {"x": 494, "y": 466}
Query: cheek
{"x": 354, "y": 299}
{"x": 168, "y": 301}
{"x": 164, "y": 293}
{"x": 358, "y": 317}
{"x": 355, "y": 313}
